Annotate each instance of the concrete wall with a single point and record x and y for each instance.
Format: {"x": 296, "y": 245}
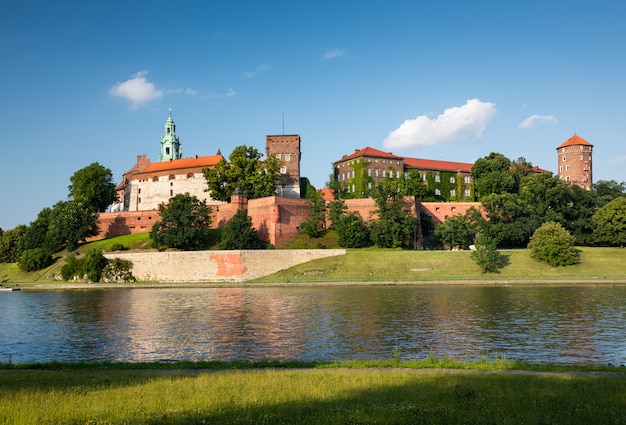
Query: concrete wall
{"x": 216, "y": 266}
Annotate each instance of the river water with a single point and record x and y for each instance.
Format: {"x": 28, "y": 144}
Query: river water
{"x": 558, "y": 324}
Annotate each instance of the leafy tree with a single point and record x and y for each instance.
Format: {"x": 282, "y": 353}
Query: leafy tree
{"x": 455, "y": 233}
{"x": 414, "y": 186}
{"x": 184, "y": 223}
{"x": 93, "y": 186}
{"x": 307, "y": 190}
{"x": 610, "y": 223}
{"x": 507, "y": 224}
{"x": 71, "y": 222}
{"x": 313, "y": 227}
{"x": 11, "y": 244}
{"x": 245, "y": 171}
{"x": 239, "y": 233}
{"x": 34, "y": 259}
{"x": 37, "y": 236}
{"x": 519, "y": 169}
{"x": 486, "y": 255}
{"x": 336, "y": 209}
{"x": 90, "y": 267}
{"x": 492, "y": 175}
{"x": 607, "y": 190}
{"x": 553, "y": 244}
{"x": 395, "y": 227}
{"x": 352, "y": 231}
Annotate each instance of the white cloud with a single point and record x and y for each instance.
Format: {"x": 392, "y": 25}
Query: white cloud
{"x": 189, "y": 91}
{"x": 535, "y": 120}
{"x": 264, "y": 67}
{"x": 333, "y": 53}
{"x": 137, "y": 89}
{"x": 456, "y": 123}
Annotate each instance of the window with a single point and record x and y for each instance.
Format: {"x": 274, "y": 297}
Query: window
{"x": 467, "y": 193}
{"x": 424, "y": 178}
{"x": 437, "y": 178}
{"x": 437, "y": 192}
{"x": 452, "y": 179}
{"x": 172, "y": 176}
{"x": 376, "y": 172}
{"x": 353, "y": 189}
{"x": 369, "y": 172}
{"x": 283, "y": 170}
{"x": 560, "y": 169}
{"x": 466, "y": 179}
{"x": 564, "y": 159}
{"x": 369, "y": 185}
{"x": 352, "y": 173}
{"x": 139, "y": 190}
{"x": 384, "y": 173}
{"x": 278, "y": 156}
{"x": 566, "y": 167}
{"x": 452, "y": 193}
{"x": 287, "y": 157}
{"x": 171, "y": 192}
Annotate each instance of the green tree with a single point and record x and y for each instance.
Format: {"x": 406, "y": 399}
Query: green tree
{"x": 414, "y": 186}
{"x": 554, "y": 245}
{"x": 71, "y": 222}
{"x": 93, "y": 186}
{"x": 455, "y": 233}
{"x": 519, "y": 169}
{"x": 507, "y": 220}
{"x": 245, "y": 171}
{"x": 492, "y": 174}
{"x": 184, "y": 223}
{"x": 486, "y": 255}
{"x": 610, "y": 223}
{"x": 352, "y": 231}
{"x": 607, "y": 190}
{"x": 239, "y": 233}
{"x": 336, "y": 209}
{"x": 395, "y": 227}
{"x": 34, "y": 259}
{"x": 12, "y": 244}
{"x": 314, "y": 226}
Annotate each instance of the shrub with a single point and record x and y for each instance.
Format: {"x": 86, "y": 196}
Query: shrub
{"x": 553, "y": 244}
{"x": 239, "y": 233}
{"x": 88, "y": 268}
{"x": 118, "y": 247}
{"x": 34, "y": 259}
{"x": 485, "y": 255}
{"x": 118, "y": 270}
{"x": 352, "y": 231}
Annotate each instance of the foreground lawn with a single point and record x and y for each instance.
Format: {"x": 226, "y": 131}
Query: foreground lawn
{"x": 308, "y": 396}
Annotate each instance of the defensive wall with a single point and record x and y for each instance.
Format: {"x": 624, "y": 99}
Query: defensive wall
{"x": 276, "y": 219}
{"x": 216, "y": 266}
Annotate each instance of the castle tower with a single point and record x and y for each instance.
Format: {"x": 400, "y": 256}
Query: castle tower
{"x": 170, "y": 144}
{"x": 575, "y": 165}
{"x": 287, "y": 149}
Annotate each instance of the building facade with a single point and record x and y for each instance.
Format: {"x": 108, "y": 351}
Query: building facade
{"x": 445, "y": 180}
{"x": 575, "y": 162}
{"x": 287, "y": 149}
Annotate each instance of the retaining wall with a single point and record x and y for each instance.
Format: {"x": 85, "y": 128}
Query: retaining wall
{"x": 216, "y": 266}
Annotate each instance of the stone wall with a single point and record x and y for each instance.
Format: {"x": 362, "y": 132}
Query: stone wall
{"x": 216, "y": 266}
{"x": 440, "y": 211}
{"x": 125, "y": 223}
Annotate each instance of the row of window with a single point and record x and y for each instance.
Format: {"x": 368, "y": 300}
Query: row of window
{"x": 286, "y": 156}
{"x": 564, "y": 158}
{"x": 350, "y": 174}
{"x": 567, "y": 168}
{"x": 467, "y": 193}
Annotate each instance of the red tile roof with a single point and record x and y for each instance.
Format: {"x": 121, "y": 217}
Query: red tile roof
{"x": 432, "y": 164}
{"x": 371, "y": 152}
{"x": 575, "y": 140}
{"x": 177, "y": 164}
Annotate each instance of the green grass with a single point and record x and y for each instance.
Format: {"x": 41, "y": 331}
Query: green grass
{"x": 339, "y": 394}
{"x": 379, "y": 265}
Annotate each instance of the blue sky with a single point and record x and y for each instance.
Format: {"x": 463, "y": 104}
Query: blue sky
{"x": 90, "y": 81}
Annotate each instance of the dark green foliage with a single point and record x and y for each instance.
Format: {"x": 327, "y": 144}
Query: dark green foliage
{"x": 239, "y": 233}
{"x": 554, "y": 245}
{"x": 485, "y": 254}
{"x": 36, "y": 233}
{"x": 93, "y": 186}
{"x": 89, "y": 268}
{"x": 395, "y": 227}
{"x": 607, "y": 190}
{"x": 118, "y": 247}
{"x": 118, "y": 270}
{"x": 352, "y": 231}
{"x": 11, "y": 244}
{"x": 508, "y": 220}
{"x": 244, "y": 171}
{"x": 336, "y": 209}
{"x": 184, "y": 223}
{"x": 314, "y": 226}
{"x": 307, "y": 190}
{"x": 492, "y": 175}
{"x": 455, "y": 233}
{"x": 610, "y": 223}
{"x": 71, "y": 222}
{"x": 34, "y": 259}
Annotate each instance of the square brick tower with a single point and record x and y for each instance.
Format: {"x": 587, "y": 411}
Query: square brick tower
{"x": 287, "y": 149}
{"x": 575, "y": 166}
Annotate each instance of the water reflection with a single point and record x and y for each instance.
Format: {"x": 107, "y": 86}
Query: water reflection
{"x": 577, "y": 324}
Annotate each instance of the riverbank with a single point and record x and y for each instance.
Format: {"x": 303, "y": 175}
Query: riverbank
{"x": 394, "y": 267}
{"x": 383, "y": 395}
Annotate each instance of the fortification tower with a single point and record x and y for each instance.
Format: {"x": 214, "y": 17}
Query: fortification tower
{"x": 170, "y": 144}
{"x": 575, "y": 166}
{"x": 287, "y": 149}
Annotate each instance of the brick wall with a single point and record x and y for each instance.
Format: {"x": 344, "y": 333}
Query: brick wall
{"x": 439, "y": 211}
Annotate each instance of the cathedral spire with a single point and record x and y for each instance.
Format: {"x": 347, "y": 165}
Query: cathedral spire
{"x": 170, "y": 144}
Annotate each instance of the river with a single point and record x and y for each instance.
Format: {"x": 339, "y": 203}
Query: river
{"x": 537, "y": 324}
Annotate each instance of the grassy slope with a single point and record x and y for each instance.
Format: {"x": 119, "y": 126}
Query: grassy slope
{"x": 380, "y": 265}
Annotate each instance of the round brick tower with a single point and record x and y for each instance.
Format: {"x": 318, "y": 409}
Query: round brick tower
{"x": 575, "y": 165}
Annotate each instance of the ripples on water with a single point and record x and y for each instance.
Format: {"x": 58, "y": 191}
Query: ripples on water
{"x": 577, "y": 324}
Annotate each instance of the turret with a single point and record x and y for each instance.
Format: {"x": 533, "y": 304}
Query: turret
{"x": 170, "y": 144}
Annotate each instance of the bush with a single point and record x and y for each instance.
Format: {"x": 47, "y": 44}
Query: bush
{"x": 34, "y": 259}
{"x": 485, "y": 255}
{"x": 239, "y": 233}
{"x": 118, "y": 270}
{"x": 118, "y": 247}
{"x": 553, "y": 244}
{"x": 88, "y": 268}
{"x": 352, "y": 231}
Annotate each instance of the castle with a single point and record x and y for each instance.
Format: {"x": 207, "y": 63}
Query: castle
{"x": 277, "y": 218}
